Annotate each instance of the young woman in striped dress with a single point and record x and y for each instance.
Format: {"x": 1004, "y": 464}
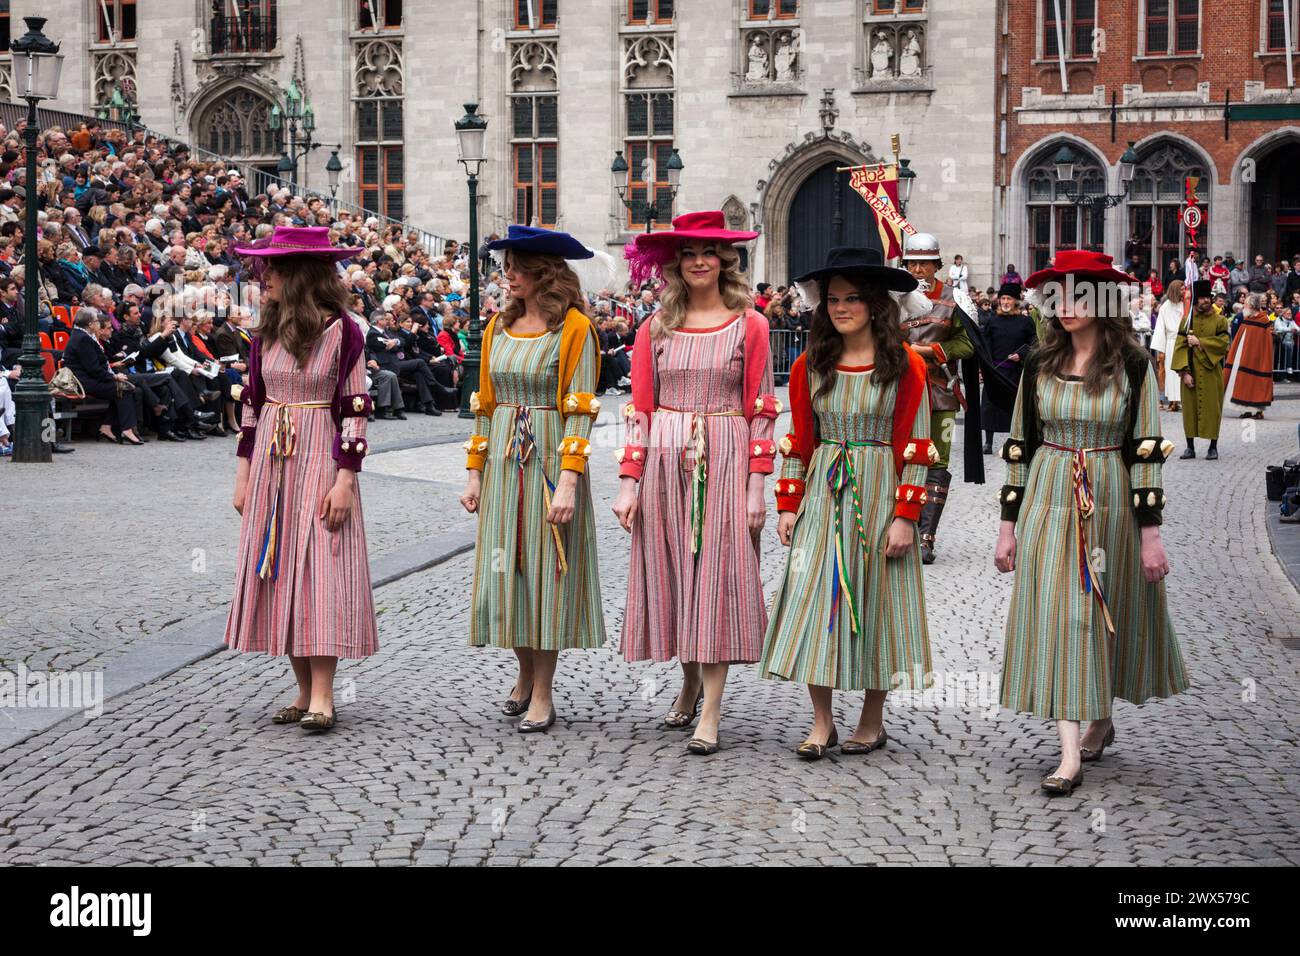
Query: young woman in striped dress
{"x": 1081, "y": 514}
{"x": 849, "y": 613}
{"x": 303, "y": 578}
{"x": 536, "y": 587}
{"x": 699, "y": 447}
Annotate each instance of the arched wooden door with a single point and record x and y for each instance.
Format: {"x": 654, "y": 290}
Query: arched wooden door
{"x": 825, "y": 213}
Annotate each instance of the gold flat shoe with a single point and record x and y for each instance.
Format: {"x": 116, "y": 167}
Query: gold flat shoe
{"x": 513, "y": 708}
{"x": 701, "y": 747}
{"x": 810, "y": 751}
{"x": 315, "y": 720}
{"x": 857, "y": 747}
{"x": 1088, "y": 756}
{"x": 680, "y": 720}
{"x": 288, "y": 715}
{"x": 1062, "y": 786}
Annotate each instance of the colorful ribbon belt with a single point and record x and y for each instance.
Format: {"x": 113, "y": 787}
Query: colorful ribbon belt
{"x": 698, "y": 445}
{"x": 840, "y": 475}
{"x": 523, "y": 442}
{"x": 284, "y": 441}
{"x": 1089, "y": 578}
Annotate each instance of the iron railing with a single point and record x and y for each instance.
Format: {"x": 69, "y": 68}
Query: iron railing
{"x": 250, "y": 33}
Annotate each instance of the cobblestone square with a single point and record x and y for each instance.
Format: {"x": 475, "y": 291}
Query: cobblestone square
{"x": 422, "y": 768}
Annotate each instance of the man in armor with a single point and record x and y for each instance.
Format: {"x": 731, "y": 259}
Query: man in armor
{"x": 943, "y": 337}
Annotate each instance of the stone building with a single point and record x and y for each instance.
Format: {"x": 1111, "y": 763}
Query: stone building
{"x": 762, "y": 99}
{"x": 1200, "y": 89}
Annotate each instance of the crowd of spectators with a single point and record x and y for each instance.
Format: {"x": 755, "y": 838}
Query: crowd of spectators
{"x": 145, "y": 304}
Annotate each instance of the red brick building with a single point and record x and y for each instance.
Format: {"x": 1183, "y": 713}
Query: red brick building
{"x": 1200, "y": 88}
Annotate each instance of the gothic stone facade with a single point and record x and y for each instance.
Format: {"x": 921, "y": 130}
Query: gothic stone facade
{"x": 756, "y": 95}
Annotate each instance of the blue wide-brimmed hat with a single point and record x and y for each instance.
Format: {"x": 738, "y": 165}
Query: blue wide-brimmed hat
{"x": 542, "y": 242}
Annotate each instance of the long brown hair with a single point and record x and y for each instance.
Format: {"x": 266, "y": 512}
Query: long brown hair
{"x": 826, "y": 345}
{"x": 1116, "y": 342}
{"x": 1174, "y": 292}
{"x": 672, "y": 299}
{"x": 310, "y": 289}
{"x": 555, "y": 289}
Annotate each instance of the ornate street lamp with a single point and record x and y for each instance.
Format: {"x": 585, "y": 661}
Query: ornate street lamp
{"x": 1065, "y": 161}
{"x": 471, "y": 142}
{"x": 906, "y": 177}
{"x": 37, "y": 64}
{"x": 332, "y": 169}
{"x": 621, "y": 173}
{"x": 297, "y": 116}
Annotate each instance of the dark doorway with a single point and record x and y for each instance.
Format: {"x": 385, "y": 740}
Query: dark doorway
{"x": 825, "y": 213}
{"x": 1275, "y": 203}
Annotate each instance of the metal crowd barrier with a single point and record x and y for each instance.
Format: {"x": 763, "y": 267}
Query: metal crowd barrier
{"x": 1284, "y": 354}
{"x": 786, "y": 345}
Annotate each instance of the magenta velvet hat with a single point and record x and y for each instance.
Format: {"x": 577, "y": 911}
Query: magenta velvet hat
{"x": 297, "y": 241}
{"x": 650, "y": 252}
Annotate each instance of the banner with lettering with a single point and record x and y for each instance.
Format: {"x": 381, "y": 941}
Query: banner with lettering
{"x": 878, "y": 187}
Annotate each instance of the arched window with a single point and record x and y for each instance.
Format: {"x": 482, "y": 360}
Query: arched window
{"x": 1155, "y": 199}
{"x": 1054, "y": 220}
{"x": 238, "y": 126}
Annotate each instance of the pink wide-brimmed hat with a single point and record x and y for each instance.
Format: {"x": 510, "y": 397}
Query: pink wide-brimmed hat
{"x": 297, "y": 241}
{"x": 650, "y": 252}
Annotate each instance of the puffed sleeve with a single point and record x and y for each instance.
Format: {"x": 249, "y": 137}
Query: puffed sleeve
{"x": 1013, "y": 453}
{"x": 918, "y": 456}
{"x": 580, "y": 408}
{"x": 1150, "y": 451}
{"x": 631, "y": 457}
{"x": 244, "y": 395}
{"x": 351, "y": 445}
{"x": 762, "y": 423}
{"x": 476, "y": 446}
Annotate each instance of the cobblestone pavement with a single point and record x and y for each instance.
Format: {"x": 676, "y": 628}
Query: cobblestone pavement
{"x": 107, "y": 548}
{"x": 423, "y": 769}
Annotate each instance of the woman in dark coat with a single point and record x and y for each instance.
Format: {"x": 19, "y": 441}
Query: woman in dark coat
{"x": 1010, "y": 334}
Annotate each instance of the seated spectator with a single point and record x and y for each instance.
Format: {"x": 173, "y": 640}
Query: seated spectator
{"x": 85, "y": 356}
{"x": 387, "y": 346}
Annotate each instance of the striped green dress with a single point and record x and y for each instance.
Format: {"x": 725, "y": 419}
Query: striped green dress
{"x": 520, "y": 599}
{"x": 1060, "y": 661}
{"x": 808, "y": 639}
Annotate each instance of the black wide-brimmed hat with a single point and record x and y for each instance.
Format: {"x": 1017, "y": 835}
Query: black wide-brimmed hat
{"x": 855, "y": 262}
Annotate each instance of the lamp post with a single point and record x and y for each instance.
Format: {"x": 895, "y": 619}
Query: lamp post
{"x": 37, "y": 64}
{"x": 471, "y": 138}
{"x": 1065, "y": 161}
{"x": 621, "y": 172}
{"x": 906, "y": 176}
{"x": 332, "y": 169}
{"x": 298, "y": 115}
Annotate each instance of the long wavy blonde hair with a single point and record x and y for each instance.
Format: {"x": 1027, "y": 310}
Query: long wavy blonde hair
{"x": 555, "y": 289}
{"x": 672, "y": 300}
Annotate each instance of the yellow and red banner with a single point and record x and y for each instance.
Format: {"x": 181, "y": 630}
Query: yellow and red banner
{"x": 878, "y": 187}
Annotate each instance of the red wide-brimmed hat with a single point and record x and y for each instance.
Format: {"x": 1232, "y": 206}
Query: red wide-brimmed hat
{"x": 297, "y": 241}
{"x": 1083, "y": 265}
{"x": 649, "y": 253}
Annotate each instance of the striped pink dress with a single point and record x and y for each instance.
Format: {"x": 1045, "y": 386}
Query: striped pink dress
{"x": 320, "y": 603}
{"x": 707, "y": 606}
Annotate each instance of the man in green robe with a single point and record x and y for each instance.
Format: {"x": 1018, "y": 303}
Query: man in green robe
{"x": 1199, "y": 351}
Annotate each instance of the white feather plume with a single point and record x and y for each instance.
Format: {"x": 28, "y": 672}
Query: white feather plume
{"x": 595, "y": 274}
{"x": 811, "y": 293}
